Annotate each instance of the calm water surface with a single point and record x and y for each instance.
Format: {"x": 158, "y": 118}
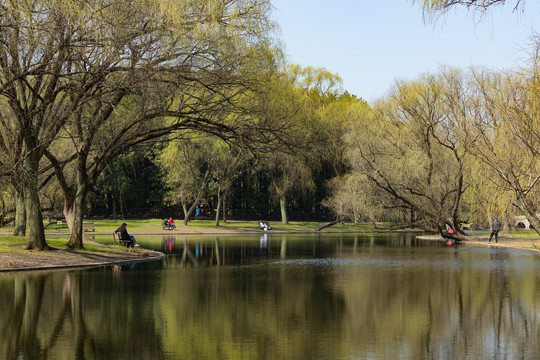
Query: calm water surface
{"x": 281, "y": 297}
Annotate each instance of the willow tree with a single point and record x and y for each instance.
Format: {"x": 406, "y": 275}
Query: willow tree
{"x": 510, "y": 136}
{"x": 230, "y": 164}
{"x": 34, "y": 59}
{"x": 108, "y": 75}
{"x": 298, "y": 98}
{"x": 414, "y": 146}
{"x": 433, "y": 8}
{"x": 200, "y": 167}
{"x": 190, "y": 164}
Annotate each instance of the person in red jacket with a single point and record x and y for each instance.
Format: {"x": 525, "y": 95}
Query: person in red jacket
{"x": 171, "y": 224}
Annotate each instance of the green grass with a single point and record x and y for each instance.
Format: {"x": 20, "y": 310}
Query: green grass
{"x": 103, "y": 226}
{"x": 12, "y": 240}
{"x": 14, "y": 244}
{"x": 209, "y": 226}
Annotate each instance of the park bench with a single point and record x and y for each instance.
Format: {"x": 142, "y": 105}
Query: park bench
{"x": 165, "y": 227}
{"x": 88, "y": 227}
{"x": 60, "y": 224}
{"x": 118, "y": 240}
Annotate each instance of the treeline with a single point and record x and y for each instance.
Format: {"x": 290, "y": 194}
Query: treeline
{"x": 452, "y": 147}
{"x": 457, "y": 146}
{"x": 188, "y": 100}
{"x": 116, "y": 106}
{"x": 271, "y": 179}
{"x": 83, "y": 83}
{"x": 227, "y": 180}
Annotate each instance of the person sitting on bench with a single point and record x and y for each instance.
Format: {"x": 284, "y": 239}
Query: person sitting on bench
{"x": 172, "y": 224}
{"x": 166, "y": 224}
{"x": 264, "y": 225}
{"x": 124, "y": 236}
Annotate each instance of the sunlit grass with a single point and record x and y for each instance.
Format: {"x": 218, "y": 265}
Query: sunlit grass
{"x": 148, "y": 226}
{"x": 154, "y": 226}
{"x": 12, "y": 240}
{"x": 16, "y": 243}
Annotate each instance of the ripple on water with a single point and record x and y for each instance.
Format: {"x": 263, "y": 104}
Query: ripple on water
{"x": 389, "y": 263}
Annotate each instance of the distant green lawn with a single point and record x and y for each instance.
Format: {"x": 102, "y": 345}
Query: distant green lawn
{"x": 154, "y": 225}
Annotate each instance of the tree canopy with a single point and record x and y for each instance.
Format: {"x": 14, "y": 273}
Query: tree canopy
{"x": 112, "y": 74}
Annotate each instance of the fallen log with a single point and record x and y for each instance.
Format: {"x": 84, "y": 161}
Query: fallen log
{"x": 325, "y": 225}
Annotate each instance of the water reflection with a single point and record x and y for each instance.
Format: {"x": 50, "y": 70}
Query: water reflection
{"x": 281, "y": 297}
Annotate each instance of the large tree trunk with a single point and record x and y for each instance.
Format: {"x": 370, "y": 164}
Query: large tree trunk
{"x": 73, "y": 215}
{"x": 283, "y": 208}
{"x": 457, "y": 233}
{"x": 20, "y": 215}
{"x": 456, "y": 236}
{"x": 325, "y": 225}
{"x": 184, "y": 208}
{"x": 190, "y": 212}
{"x": 75, "y": 225}
{"x": 36, "y": 233}
{"x": 69, "y": 200}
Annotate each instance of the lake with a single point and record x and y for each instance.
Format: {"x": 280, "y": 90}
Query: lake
{"x": 281, "y": 296}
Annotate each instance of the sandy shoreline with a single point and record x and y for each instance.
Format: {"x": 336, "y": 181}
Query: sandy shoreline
{"x": 504, "y": 242}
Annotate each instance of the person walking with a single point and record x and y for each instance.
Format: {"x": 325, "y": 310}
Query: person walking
{"x": 495, "y": 226}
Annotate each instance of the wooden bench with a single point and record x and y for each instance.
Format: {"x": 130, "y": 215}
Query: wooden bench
{"x": 165, "y": 227}
{"x": 117, "y": 239}
{"x": 88, "y": 227}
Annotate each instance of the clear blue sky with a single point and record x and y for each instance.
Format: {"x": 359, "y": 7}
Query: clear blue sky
{"x": 371, "y": 43}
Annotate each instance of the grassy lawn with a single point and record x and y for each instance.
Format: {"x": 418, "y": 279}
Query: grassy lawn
{"x": 13, "y": 255}
{"x": 201, "y": 226}
{"x": 16, "y": 243}
{"x": 153, "y": 226}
